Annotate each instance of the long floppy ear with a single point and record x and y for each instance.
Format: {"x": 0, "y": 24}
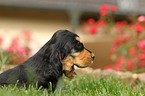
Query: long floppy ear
{"x": 58, "y": 47}
{"x": 52, "y": 55}
{"x": 55, "y": 59}
{"x": 48, "y": 49}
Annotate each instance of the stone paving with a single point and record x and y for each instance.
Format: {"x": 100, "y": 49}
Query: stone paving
{"x": 127, "y": 77}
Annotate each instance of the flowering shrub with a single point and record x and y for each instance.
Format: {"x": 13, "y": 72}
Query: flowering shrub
{"x": 128, "y": 52}
{"x": 18, "y": 50}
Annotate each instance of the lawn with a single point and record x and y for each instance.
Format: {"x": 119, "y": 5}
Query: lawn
{"x": 80, "y": 86}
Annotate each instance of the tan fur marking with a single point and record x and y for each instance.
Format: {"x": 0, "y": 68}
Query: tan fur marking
{"x": 83, "y": 59}
{"x": 67, "y": 63}
{"x": 77, "y": 38}
{"x": 67, "y": 67}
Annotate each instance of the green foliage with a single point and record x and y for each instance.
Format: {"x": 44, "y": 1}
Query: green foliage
{"x": 4, "y": 59}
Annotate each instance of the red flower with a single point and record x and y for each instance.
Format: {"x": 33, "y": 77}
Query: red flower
{"x": 141, "y": 56}
{"x": 91, "y": 21}
{"x": 139, "y": 27}
{"x": 103, "y": 10}
{"x": 18, "y": 60}
{"x": 124, "y": 38}
{"x": 16, "y": 48}
{"x": 14, "y": 45}
{"x": 143, "y": 51}
{"x": 120, "y": 60}
{"x": 130, "y": 65}
{"x": 23, "y": 59}
{"x": 142, "y": 63}
{"x": 120, "y": 24}
{"x": 112, "y": 50}
{"x": 93, "y": 29}
{"x": 27, "y": 34}
{"x": 117, "y": 67}
{"x": 141, "y": 18}
{"x": 132, "y": 50}
{"x": 141, "y": 44}
{"x": 113, "y": 8}
{"x": 21, "y": 50}
{"x": 101, "y": 22}
{"x": 117, "y": 42}
{"x": 108, "y": 67}
{"x": 15, "y": 60}
{"x": 1, "y": 40}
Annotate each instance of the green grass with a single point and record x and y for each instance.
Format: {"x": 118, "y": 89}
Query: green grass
{"x": 80, "y": 86}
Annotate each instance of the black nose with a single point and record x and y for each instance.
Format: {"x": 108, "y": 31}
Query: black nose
{"x": 93, "y": 56}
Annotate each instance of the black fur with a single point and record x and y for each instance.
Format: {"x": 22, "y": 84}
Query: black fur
{"x": 45, "y": 66}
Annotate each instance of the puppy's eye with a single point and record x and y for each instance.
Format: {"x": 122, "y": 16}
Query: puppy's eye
{"x": 79, "y": 46}
{"x": 78, "y": 43}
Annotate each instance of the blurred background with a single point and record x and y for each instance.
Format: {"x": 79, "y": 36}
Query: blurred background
{"x": 25, "y": 25}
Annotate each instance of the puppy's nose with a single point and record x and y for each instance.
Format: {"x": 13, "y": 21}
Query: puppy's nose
{"x": 93, "y": 56}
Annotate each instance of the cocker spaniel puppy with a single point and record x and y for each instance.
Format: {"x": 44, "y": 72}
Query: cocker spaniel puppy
{"x": 57, "y": 56}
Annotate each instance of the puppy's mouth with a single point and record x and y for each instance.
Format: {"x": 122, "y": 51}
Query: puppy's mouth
{"x": 72, "y": 73}
{"x": 84, "y": 66}
{"x": 73, "y": 70}
{"x": 91, "y": 63}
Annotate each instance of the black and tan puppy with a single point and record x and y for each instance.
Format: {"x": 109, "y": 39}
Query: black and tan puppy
{"x": 57, "y": 56}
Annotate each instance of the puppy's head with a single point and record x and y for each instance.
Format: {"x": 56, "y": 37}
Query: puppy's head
{"x": 79, "y": 56}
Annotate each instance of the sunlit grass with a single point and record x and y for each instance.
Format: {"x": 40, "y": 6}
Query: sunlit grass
{"x": 80, "y": 86}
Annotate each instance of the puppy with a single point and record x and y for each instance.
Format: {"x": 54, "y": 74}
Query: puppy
{"x": 57, "y": 56}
